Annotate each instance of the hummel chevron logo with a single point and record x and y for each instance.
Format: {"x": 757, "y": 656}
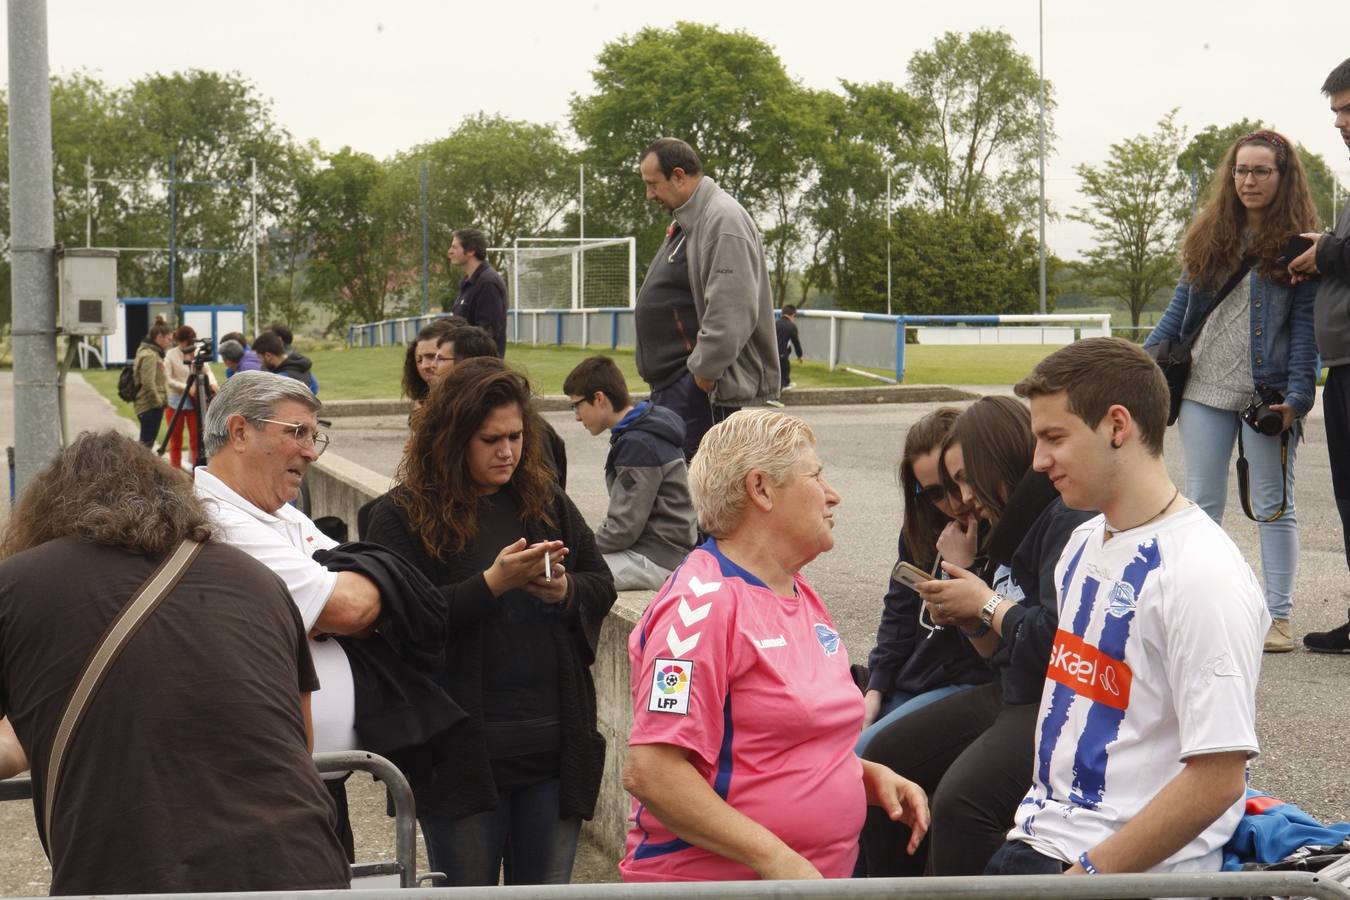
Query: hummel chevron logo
{"x": 689, "y": 615}
{"x": 679, "y": 647}
{"x": 699, "y": 588}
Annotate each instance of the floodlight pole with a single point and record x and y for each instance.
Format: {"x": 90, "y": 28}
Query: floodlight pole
{"x": 37, "y": 418}
{"x": 1040, "y": 8}
{"x": 888, "y": 240}
{"x": 253, "y": 232}
{"x": 422, "y": 203}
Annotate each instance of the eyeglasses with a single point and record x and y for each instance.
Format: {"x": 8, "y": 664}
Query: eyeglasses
{"x": 304, "y": 435}
{"x": 1260, "y": 173}
{"x": 424, "y": 358}
{"x": 933, "y": 493}
{"x": 445, "y": 359}
{"x": 577, "y": 403}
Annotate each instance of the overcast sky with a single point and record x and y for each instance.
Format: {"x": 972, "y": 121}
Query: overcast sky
{"x": 384, "y": 76}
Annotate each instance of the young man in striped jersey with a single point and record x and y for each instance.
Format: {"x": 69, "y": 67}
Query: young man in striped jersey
{"x": 1148, "y": 716}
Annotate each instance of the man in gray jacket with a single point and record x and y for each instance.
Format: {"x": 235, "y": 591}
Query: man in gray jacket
{"x": 704, "y": 317}
{"x": 1329, "y": 256}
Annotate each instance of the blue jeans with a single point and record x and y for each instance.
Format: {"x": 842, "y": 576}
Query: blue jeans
{"x": 898, "y": 705}
{"x": 1207, "y": 436}
{"x": 523, "y": 836}
{"x": 1017, "y": 858}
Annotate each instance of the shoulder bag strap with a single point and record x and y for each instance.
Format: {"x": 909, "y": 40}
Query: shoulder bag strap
{"x": 1243, "y": 268}
{"x": 1244, "y": 478}
{"x": 123, "y": 626}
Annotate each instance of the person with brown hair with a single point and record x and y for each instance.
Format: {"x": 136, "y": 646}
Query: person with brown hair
{"x": 478, "y": 511}
{"x": 915, "y": 662}
{"x": 189, "y": 770}
{"x": 1255, "y": 357}
{"x": 152, "y": 388}
{"x": 973, "y": 750}
{"x": 482, "y": 293}
{"x": 420, "y": 366}
{"x": 1147, "y": 715}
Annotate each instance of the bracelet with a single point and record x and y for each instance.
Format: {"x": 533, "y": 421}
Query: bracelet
{"x": 1087, "y": 864}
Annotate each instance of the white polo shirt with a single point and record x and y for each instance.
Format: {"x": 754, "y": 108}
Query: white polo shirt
{"x": 284, "y": 542}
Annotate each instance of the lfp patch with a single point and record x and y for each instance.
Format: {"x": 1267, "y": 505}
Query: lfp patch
{"x": 828, "y": 637}
{"x": 671, "y": 682}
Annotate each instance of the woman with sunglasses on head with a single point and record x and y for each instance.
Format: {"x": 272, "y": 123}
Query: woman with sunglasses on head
{"x": 1254, "y": 359}
{"x": 915, "y": 662}
{"x": 972, "y": 751}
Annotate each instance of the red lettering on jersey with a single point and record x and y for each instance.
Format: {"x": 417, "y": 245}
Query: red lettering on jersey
{"x": 1078, "y": 665}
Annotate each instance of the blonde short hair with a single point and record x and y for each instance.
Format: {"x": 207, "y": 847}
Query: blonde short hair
{"x": 751, "y": 439}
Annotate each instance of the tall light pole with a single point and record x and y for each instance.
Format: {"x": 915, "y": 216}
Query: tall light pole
{"x": 888, "y": 240}
{"x": 1040, "y": 8}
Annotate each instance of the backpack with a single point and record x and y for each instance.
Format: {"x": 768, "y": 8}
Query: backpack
{"x": 127, "y": 388}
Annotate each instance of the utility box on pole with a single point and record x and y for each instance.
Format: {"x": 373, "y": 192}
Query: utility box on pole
{"x": 87, "y": 277}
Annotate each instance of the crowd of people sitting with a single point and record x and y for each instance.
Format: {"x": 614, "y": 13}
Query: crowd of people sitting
{"x": 1064, "y": 677}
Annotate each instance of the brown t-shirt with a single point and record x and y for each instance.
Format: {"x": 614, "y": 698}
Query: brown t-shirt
{"x": 189, "y": 770}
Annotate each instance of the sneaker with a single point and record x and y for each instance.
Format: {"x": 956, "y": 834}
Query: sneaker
{"x": 776, "y": 404}
{"x": 789, "y": 386}
{"x": 1337, "y": 640}
{"x": 1280, "y": 637}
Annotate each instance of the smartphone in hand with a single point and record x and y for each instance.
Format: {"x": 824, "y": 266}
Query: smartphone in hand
{"x": 909, "y": 575}
{"x": 1292, "y": 250}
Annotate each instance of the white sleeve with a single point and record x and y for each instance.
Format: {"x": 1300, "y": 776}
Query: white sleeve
{"x": 310, "y": 584}
{"x": 1213, "y": 617}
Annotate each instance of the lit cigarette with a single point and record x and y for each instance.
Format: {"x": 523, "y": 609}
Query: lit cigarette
{"x": 548, "y": 567}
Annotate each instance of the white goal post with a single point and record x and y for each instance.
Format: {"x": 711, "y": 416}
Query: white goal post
{"x": 569, "y": 273}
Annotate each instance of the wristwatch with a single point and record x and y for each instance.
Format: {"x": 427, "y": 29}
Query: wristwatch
{"x": 987, "y": 614}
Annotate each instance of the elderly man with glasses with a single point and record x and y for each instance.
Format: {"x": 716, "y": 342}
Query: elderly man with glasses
{"x": 261, "y": 434}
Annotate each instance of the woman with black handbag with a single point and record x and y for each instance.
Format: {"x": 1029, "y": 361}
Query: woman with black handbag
{"x": 1253, "y": 353}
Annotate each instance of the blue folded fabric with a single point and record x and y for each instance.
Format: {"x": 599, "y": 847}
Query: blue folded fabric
{"x": 1269, "y": 833}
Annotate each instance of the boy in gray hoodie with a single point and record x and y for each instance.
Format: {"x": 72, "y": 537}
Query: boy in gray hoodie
{"x": 649, "y": 527}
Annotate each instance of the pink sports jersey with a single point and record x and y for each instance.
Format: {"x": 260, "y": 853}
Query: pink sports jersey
{"x": 757, "y": 688}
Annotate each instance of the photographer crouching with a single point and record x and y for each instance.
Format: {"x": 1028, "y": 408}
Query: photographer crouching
{"x": 186, "y": 367}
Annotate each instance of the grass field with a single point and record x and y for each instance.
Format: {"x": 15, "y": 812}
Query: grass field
{"x": 375, "y": 373}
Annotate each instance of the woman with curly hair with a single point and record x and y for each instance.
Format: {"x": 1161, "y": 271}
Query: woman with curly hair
{"x": 421, "y": 364}
{"x": 479, "y": 512}
{"x": 1256, "y": 349}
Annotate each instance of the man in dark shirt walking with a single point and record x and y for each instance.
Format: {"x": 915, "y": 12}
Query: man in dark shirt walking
{"x": 788, "y": 339}
{"x": 482, "y": 293}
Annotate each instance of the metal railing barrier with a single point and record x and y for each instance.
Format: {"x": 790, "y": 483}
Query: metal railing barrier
{"x": 1011, "y": 887}
{"x": 404, "y": 864}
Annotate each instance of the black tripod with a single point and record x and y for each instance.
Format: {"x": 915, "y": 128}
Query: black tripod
{"x": 196, "y": 378}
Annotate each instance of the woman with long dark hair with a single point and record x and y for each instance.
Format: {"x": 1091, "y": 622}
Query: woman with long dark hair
{"x": 477, "y": 509}
{"x": 916, "y": 662}
{"x": 421, "y": 364}
{"x": 1256, "y": 350}
{"x": 972, "y": 751}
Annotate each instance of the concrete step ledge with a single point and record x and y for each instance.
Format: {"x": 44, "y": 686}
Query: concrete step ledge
{"x": 897, "y": 393}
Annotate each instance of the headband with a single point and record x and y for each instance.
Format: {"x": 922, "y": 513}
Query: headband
{"x": 1275, "y": 141}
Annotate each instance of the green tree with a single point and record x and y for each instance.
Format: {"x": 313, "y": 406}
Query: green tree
{"x": 507, "y": 177}
{"x": 726, "y": 93}
{"x": 868, "y": 129}
{"x": 1136, "y": 204}
{"x": 209, "y": 127}
{"x": 979, "y": 135}
{"x": 355, "y": 266}
{"x": 1206, "y": 150}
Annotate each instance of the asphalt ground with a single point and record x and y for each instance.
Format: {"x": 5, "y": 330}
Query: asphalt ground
{"x": 1302, "y": 719}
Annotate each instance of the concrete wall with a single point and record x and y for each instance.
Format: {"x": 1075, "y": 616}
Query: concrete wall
{"x": 339, "y": 487}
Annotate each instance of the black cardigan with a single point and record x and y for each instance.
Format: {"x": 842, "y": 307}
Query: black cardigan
{"x": 454, "y": 769}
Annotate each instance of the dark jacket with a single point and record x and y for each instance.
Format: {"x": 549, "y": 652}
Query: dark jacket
{"x": 650, "y": 511}
{"x": 786, "y": 331}
{"x": 456, "y": 771}
{"x": 295, "y": 365}
{"x": 1029, "y": 539}
{"x": 1333, "y": 294}
{"x": 482, "y": 301}
{"x": 909, "y": 658}
{"x": 398, "y": 700}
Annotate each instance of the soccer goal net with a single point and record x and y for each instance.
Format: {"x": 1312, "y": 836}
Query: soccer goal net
{"x": 569, "y": 273}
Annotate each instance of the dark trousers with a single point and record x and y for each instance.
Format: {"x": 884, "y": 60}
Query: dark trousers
{"x": 523, "y": 838}
{"x": 1336, "y": 420}
{"x": 973, "y": 754}
{"x": 687, "y": 400}
{"x": 337, "y": 789}
{"x": 784, "y": 370}
{"x": 150, "y": 420}
{"x": 1017, "y": 858}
